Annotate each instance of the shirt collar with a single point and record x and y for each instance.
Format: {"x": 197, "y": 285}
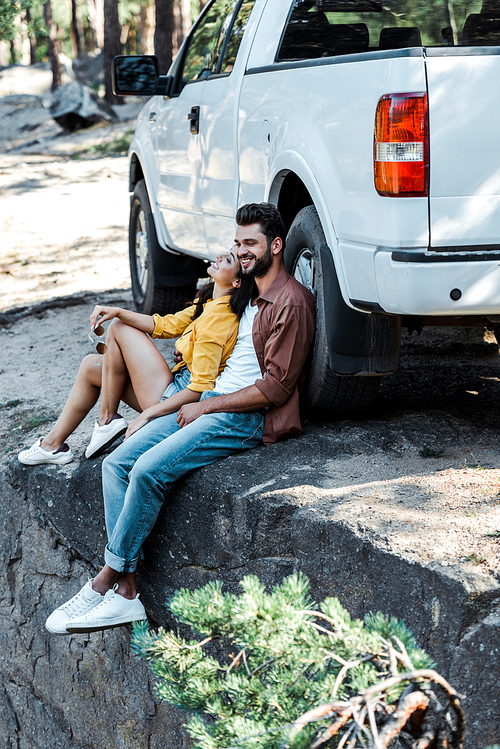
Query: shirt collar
{"x": 221, "y": 300}
{"x": 276, "y": 287}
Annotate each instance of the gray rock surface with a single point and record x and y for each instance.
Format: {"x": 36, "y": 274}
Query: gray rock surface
{"x": 74, "y": 106}
{"x": 67, "y": 692}
{"x": 265, "y": 512}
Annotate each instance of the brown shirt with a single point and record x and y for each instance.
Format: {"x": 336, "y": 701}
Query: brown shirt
{"x": 283, "y": 332}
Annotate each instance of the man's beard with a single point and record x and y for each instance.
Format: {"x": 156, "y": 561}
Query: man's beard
{"x": 262, "y": 264}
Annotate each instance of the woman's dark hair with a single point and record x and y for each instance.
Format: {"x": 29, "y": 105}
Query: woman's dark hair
{"x": 244, "y": 294}
{"x": 239, "y": 297}
{"x": 265, "y": 214}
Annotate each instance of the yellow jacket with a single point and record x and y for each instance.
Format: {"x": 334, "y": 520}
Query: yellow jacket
{"x": 205, "y": 344}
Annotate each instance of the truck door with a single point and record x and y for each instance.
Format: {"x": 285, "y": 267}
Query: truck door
{"x": 179, "y": 124}
{"x": 219, "y": 129}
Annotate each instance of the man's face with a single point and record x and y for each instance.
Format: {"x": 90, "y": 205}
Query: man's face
{"x": 252, "y": 249}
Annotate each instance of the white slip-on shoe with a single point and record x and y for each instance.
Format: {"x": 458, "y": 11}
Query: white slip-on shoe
{"x": 113, "y": 611}
{"x": 104, "y": 436}
{"x": 84, "y": 601}
{"x": 36, "y": 455}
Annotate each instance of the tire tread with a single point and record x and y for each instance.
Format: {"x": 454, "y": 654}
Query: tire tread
{"x": 326, "y": 394}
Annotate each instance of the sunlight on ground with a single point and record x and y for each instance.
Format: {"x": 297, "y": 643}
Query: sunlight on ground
{"x": 64, "y": 229}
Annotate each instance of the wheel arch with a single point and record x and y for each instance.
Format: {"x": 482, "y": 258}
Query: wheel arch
{"x": 135, "y": 172}
{"x": 292, "y": 184}
{"x": 140, "y": 168}
{"x": 359, "y": 344}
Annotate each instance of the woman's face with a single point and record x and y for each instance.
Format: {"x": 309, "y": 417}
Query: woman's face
{"x": 224, "y": 270}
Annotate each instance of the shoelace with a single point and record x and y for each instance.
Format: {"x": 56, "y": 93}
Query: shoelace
{"x": 107, "y": 599}
{"x": 77, "y": 604}
{"x": 35, "y": 447}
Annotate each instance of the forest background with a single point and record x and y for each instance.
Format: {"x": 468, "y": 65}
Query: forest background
{"x": 32, "y": 31}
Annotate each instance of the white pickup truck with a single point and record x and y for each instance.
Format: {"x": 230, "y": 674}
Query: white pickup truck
{"x": 373, "y": 125}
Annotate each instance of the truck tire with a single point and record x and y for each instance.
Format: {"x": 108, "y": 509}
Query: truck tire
{"x": 149, "y": 295}
{"x": 326, "y": 394}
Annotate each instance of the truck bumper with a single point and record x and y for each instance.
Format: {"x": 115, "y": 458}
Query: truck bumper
{"x": 418, "y": 282}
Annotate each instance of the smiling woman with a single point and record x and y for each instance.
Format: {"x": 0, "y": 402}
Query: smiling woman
{"x": 131, "y": 369}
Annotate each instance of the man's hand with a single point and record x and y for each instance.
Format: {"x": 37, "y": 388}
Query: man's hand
{"x": 191, "y": 411}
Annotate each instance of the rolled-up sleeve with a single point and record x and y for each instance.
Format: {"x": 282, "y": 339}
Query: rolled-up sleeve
{"x": 170, "y": 326}
{"x": 286, "y": 351}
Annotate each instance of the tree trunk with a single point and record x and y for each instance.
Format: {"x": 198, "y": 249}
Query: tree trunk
{"x": 164, "y": 31}
{"x": 77, "y": 44}
{"x": 31, "y": 37}
{"x": 112, "y": 47}
{"x": 182, "y": 17}
{"x": 96, "y": 18}
{"x": 55, "y": 65}
{"x": 148, "y": 28}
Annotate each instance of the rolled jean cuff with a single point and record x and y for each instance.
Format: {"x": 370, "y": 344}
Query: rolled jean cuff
{"x": 118, "y": 563}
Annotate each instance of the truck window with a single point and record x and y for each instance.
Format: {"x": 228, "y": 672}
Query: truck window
{"x": 236, "y": 35}
{"x": 207, "y": 41}
{"x": 326, "y": 28}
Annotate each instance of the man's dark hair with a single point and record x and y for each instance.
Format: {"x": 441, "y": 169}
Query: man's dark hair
{"x": 265, "y": 214}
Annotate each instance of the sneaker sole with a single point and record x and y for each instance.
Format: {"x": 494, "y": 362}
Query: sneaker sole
{"x": 54, "y": 632}
{"x": 55, "y": 462}
{"x": 117, "y": 621}
{"x": 104, "y": 447}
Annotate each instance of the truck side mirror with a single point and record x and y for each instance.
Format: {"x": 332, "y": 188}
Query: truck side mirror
{"x": 138, "y": 75}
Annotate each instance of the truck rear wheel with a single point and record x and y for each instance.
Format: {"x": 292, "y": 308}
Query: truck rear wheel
{"x": 326, "y": 394}
{"x": 149, "y": 296}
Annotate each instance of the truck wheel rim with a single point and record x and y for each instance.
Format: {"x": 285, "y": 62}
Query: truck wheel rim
{"x": 141, "y": 252}
{"x": 304, "y": 269}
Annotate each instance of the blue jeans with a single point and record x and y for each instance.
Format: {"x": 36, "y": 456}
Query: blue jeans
{"x": 137, "y": 473}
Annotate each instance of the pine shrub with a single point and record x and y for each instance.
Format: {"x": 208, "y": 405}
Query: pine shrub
{"x": 274, "y": 671}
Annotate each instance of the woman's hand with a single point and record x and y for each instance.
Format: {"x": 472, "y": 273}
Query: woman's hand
{"x": 103, "y": 314}
{"x": 144, "y": 418}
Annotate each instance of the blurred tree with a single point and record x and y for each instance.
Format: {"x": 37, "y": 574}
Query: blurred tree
{"x": 182, "y": 18}
{"x": 75, "y": 29}
{"x": 147, "y": 25}
{"x": 52, "y": 50}
{"x": 9, "y": 9}
{"x": 112, "y": 46}
{"x": 31, "y": 36}
{"x": 96, "y": 18}
{"x": 164, "y": 32}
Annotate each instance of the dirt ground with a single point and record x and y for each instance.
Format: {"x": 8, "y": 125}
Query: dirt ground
{"x": 433, "y": 437}
{"x": 63, "y": 224}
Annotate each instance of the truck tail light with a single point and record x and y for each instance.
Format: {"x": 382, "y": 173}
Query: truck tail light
{"x": 401, "y": 147}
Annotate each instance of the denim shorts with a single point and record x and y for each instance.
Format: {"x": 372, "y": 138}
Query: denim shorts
{"x": 180, "y": 382}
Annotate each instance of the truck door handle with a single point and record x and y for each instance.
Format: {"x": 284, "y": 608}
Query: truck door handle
{"x": 194, "y": 118}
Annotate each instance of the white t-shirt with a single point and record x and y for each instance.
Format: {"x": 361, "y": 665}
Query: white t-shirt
{"x": 242, "y": 368}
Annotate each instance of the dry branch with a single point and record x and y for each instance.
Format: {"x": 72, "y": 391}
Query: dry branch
{"x": 407, "y": 706}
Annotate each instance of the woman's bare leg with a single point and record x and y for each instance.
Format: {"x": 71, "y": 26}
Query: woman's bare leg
{"x": 81, "y": 400}
{"x": 133, "y": 370}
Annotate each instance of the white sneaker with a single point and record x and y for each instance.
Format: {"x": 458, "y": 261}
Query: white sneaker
{"x": 36, "y": 455}
{"x": 104, "y": 436}
{"x": 113, "y": 611}
{"x": 85, "y": 600}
